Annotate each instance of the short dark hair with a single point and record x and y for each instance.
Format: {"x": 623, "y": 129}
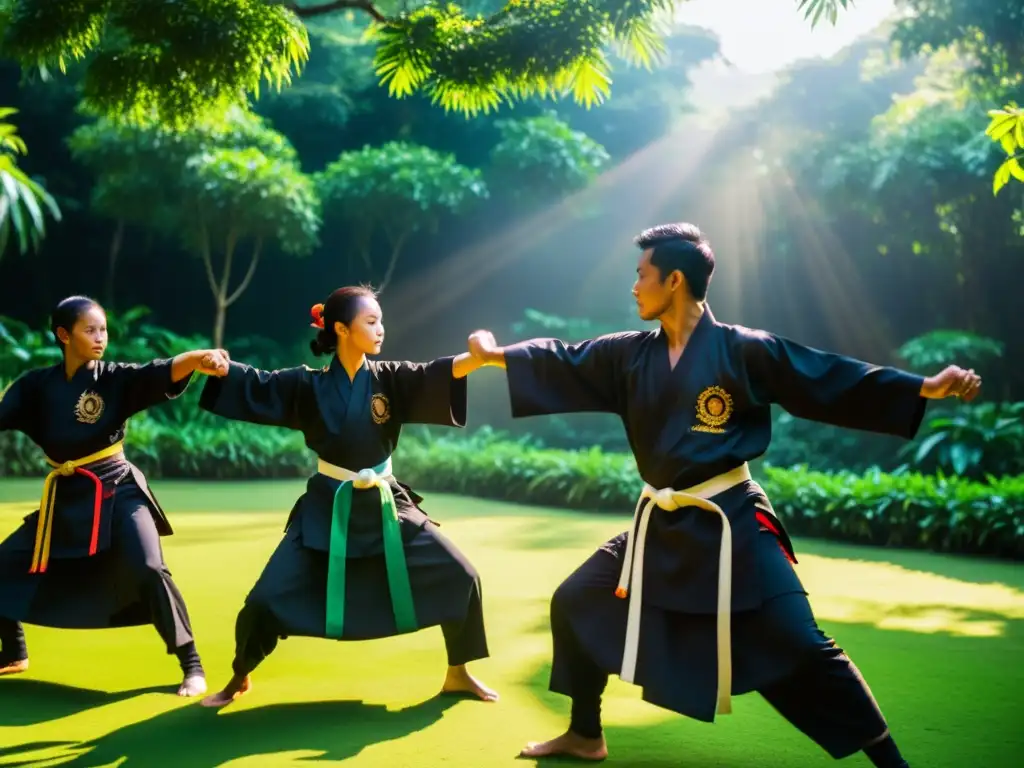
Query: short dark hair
{"x": 342, "y": 306}
{"x": 680, "y": 246}
{"x": 67, "y": 312}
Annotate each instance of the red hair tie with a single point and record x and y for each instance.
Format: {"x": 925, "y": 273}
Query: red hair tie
{"x": 317, "y": 311}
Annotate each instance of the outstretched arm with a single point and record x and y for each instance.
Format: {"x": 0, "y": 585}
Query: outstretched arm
{"x": 838, "y": 390}
{"x": 547, "y": 376}
{"x": 270, "y": 398}
{"x": 144, "y": 385}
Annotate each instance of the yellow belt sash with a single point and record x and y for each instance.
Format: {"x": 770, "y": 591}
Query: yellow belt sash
{"x": 44, "y": 528}
{"x": 632, "y": 577}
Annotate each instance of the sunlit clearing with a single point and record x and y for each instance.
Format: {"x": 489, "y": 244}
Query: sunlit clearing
{"x": 105, "y": 698}
{"x": 889, "y": 596}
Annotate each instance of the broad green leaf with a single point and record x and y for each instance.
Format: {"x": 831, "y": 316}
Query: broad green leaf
{"x": 1002, "y": 176}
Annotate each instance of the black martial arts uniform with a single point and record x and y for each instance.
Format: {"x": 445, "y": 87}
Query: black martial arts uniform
{"x": 90, "y": 556}
{"x": 722, "y": 611}
{"x": 355, "y": 562}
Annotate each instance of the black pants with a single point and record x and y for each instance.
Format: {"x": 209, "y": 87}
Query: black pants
{"x": 132, "y": 579}
{"x": 824, "y": 695}
{"x": 289, "y": 599}
{"x": 12, "y": 642}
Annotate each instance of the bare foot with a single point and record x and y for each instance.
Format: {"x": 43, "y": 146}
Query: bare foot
{"x": 14, "y": 667}
{"x": 568, "y": 744}
{"x": 193, "y": 685}
{"x": 458, "y": 680}
{"x": 236, "y": 687}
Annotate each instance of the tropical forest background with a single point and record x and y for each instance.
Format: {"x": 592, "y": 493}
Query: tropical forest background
{"x": 209, "y": 170}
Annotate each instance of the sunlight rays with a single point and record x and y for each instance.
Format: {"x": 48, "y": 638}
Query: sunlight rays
{"x": 609, "y": 212}
{"x": 576, "y": 256}
{"x": 838, "y": 297}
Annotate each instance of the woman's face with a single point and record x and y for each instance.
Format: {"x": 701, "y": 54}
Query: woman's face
{"x": 366, "y": 331}
{"x": 88, "y": 337}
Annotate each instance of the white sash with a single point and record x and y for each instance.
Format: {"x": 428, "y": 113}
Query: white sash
{"x": 364, "y": 478}
{"x": 631, "y": 580}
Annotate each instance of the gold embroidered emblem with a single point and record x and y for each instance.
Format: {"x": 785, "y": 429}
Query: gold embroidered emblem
{"x": 380, "y": 409}
{"x": 714, "y": 407}
{"x": 89, "y": 408}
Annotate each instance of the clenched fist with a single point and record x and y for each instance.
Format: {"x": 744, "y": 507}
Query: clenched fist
{"x": 953, "y": 381}
{"x": 482, "y": 345}
{"x": 214, "y": 362}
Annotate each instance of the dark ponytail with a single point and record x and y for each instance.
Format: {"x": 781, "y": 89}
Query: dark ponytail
{"x": 323, "y": 343}
{"x": 342, "y": 306}
{"x": 67, "y": 312}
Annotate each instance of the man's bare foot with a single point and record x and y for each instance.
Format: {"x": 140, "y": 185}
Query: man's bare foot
{"x": 568, "y": 744}
{"x": 14, "y": 667}
{"x": 458, "y": 680}
{"x": 193, "y": 685}
{"x": 236, "y": 687}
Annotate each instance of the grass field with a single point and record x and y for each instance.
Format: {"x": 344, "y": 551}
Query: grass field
{"x": 940, "y": 639}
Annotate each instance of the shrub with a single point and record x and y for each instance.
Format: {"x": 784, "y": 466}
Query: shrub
{"x": 936, "y": 512}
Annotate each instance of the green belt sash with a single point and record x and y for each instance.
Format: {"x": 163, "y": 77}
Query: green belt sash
{"x": 394, "y": 551}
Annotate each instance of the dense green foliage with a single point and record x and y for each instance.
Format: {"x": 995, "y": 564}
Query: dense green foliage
{"x": 214, "y": 186}
{"x": 1007, "y": 127}
{"x": 24, "y": 203}
{"x": 179, "y": 61}
{"x": 396, "y": 190}
{"x": 544, "y": 155}
{"x": 941, "y": 513}
{"x": 963, "y": 507}
{"x": 973, "y": 441}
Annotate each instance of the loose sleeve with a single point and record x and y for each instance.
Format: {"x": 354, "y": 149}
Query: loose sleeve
{"x": 16, "y": 405}
{"x": 427, "y": 393}
{"x": 142, "y": 386}
{"x": 547, "y": 376}
{"x": 270, "y": 398}
{"x": 833, "y": 389}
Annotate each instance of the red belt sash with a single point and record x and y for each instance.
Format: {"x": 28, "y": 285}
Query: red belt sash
{"x": 44, "y": 528}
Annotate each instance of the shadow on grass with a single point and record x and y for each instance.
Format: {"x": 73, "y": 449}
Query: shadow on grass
{"x": 30, "y": 702}
{"x": 202, "y": 738}
{"x": 950, "y": 700}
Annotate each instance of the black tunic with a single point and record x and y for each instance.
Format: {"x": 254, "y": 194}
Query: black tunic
{"x": 355, "y": 425}
{"x": 685, "y": 425}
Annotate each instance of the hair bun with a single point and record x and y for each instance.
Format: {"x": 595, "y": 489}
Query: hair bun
{"x": 317, "y": 313}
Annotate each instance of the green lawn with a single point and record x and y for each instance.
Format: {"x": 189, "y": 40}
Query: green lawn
{"x": 940, "y": 639}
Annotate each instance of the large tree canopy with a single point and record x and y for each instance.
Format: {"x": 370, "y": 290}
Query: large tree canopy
{"x": 176, "y": 60}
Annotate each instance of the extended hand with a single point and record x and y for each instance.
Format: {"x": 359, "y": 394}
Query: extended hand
{"x": 214, "y": 362}
{"x": 482, "y": 345}
{"x": 952, "y": 382}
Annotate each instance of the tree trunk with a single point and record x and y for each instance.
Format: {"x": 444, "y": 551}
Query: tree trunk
{"x": 220, "y": 288}
{"x": 218, "y": 324}
{"x": 115, "y": 250}
{"x": 221, "y": 295}
{"x": 397, "y": 244}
